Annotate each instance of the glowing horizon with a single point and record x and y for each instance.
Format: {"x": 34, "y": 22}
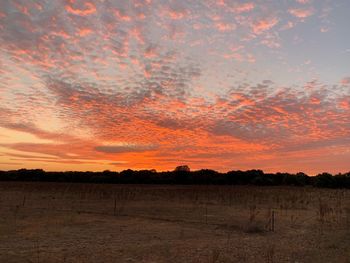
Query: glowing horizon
{"x": 223, "y": 85}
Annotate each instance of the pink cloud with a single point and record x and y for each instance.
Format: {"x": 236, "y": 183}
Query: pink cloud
{"x": 304, "y": 2}
{"x": 345, "y": 81}
{"x": 220, "y": 2}
{"x": 324, "y": 29}
{"x": 271, "y": 40}
{"x": 176, "y": 13}
{"x": 242, "y": 8}
{"x": 122, "y": 16}
{"x": 241, "y": 56}
{"x": 237, "y": 8}
{"x": 137, "y": 33}
{"x": 288, "y": 25}
{"x": 301, "y": 12}
{"x": 262, "y": 25}
{"x": 151, "y": 52}
{"x": 224, "y": 27}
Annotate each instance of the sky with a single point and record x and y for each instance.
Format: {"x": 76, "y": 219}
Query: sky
{"x": 142, "y": 84}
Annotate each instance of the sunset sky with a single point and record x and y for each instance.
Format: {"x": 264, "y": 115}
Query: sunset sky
{"x": 142, "y": 84}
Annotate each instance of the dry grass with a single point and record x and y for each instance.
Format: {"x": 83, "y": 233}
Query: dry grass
{"x": 43, "y": 222}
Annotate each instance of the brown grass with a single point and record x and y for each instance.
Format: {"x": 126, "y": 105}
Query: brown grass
{"x": 60, "y": 222}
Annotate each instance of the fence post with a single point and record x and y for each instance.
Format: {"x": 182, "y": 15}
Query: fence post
{"x": 115, "y": 205}
{"x": 206, "y": 213}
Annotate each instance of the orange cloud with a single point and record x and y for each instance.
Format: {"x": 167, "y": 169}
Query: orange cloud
{"x": 84, "y": 32}
{"x": 345, "y": 104}
{"x": 89, "y": 9}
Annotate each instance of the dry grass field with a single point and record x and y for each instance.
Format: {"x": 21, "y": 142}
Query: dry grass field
{"x": 61, "y": 222}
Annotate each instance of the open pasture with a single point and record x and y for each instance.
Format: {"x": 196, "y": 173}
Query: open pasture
{"x": 62, "y": 222}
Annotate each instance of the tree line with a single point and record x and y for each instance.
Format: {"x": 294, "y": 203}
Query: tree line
{"x": 181, "y": 175}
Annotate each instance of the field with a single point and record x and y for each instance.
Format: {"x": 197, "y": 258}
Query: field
{"x": 61, "y": 222}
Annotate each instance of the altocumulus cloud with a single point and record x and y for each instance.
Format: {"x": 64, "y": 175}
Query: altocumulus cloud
{"x": 175, "y": 81}
{"x": 127, "y": 148}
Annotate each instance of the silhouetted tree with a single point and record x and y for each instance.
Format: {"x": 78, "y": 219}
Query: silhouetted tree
{"x": 181, "y": 175}
{"x": 182, "y": 168}
{"x": 325, "y": 180}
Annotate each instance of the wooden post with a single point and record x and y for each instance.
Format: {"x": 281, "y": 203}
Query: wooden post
{"x": 273, "y": 221}
{"x": 115, "y": 205}
{"x": 206, "y": 213}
